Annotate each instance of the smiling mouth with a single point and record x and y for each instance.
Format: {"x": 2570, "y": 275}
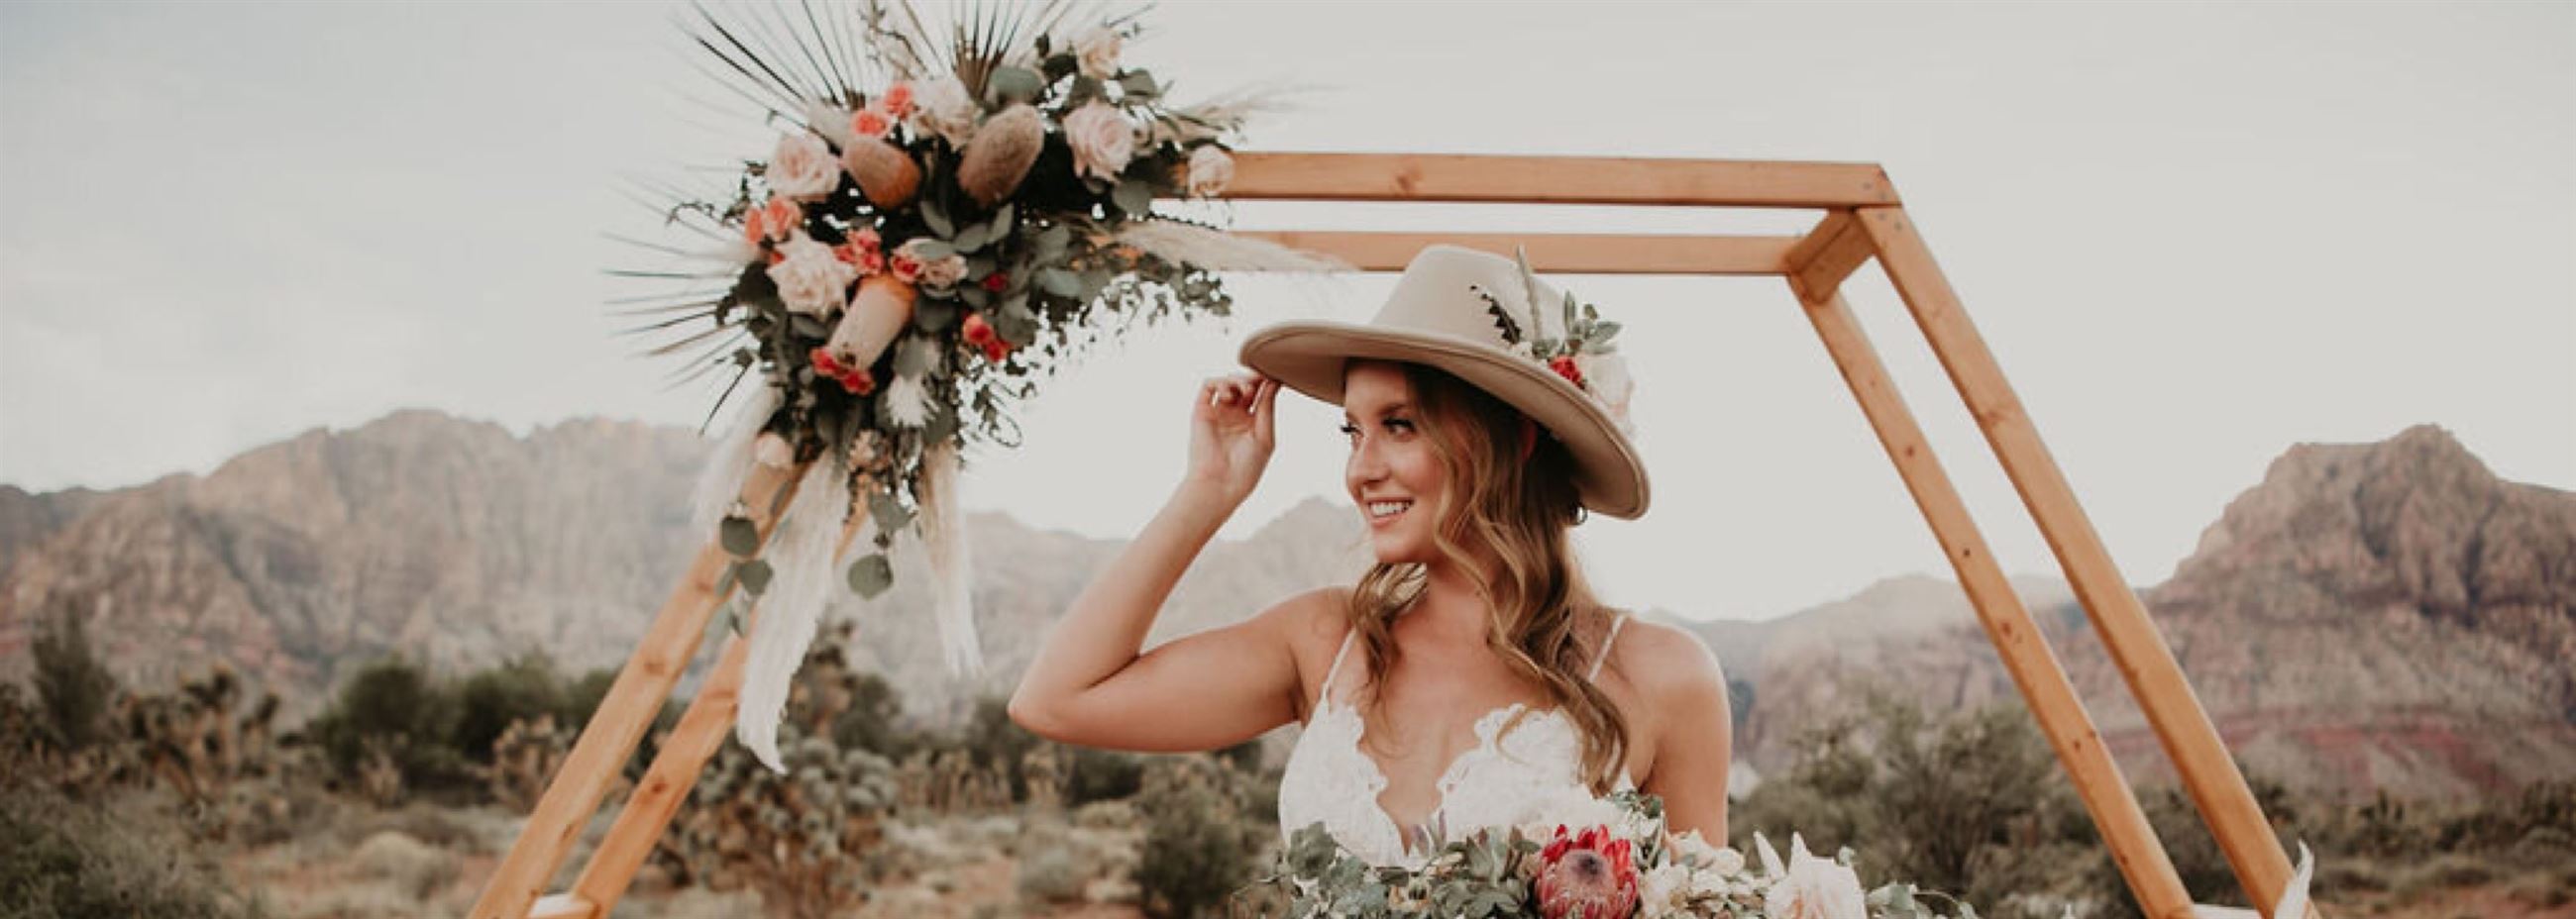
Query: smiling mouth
{"x": 1383, "y": 511}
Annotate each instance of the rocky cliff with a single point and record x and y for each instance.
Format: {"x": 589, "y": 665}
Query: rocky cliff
{"x": 2385, "y": 614}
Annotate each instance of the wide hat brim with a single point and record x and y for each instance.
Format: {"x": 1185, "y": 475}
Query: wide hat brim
{"x": 1311, "y": 356}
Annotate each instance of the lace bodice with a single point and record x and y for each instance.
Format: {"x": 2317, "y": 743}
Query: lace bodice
{"x": 1500, "y": 781}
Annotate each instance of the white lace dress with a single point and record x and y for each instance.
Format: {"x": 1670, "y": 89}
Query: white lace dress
{"x": 1501, "y": 781}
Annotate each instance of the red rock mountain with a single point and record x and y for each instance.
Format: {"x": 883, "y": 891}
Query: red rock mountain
{"x": 2369, "y": 614}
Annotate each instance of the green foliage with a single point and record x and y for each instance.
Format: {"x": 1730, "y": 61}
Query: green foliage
{"x": 1198, "y": 846}
{"x": 73, "y": 687}
{"x": 61, "y": 859}
{"x": 393, "y": 709}
{"x": 523, "y": 689}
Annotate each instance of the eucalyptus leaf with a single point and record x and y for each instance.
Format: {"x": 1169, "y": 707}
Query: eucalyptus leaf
{"x": 973, "y": 237}
{"x": 912, "y": 355}
{"x": 1135, "y": 196}
{"x": 1013, "y": 84}
{"x": 932, "y": 314}
{"x": 975, "y": 296}
{"x": 755, "y": 575}
{"x": 932, "y": 249}
{"x": 1059, "y": 282}
{"x": 1139, "y": 83}
{"x": 889, "y": 513}
{"x": 808, "y": 326}
{"x": 1052, "y": 242}
{"x": 937, "y": 218}
{"x": 871, "y": 574}
{"x": 740, "y": 536}
{"x": 1003, "y": 221}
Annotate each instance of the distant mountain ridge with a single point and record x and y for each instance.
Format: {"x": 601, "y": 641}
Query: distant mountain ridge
{"x": 2369, "y": 615}
{"x": 2382, "y": 613}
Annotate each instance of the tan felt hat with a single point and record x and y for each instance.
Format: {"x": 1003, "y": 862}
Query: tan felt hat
{"x": 1486, "y": 320}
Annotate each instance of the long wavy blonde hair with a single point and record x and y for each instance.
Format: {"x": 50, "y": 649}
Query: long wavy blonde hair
{"x": 1522, "y": 512}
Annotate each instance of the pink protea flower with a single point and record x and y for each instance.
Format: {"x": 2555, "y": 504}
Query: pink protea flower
{"x": 1587, "y": 871}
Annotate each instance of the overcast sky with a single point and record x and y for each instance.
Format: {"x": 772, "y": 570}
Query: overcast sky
{"x": 2193, "y": 236}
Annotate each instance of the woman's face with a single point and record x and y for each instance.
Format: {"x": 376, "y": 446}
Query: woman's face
{"x": 1393, "y": 474}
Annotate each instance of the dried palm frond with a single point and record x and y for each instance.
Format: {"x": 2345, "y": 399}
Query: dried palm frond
{"x": 1184, "y": 243}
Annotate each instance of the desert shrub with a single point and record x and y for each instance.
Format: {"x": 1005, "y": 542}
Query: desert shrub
{"x": 1100, "y": 775}
{"x": 1198, "y": 845}
{"x": 392, "y": 714}
{"x": 410, "y": 865}
{"x": 73, "y": 687}
{"x": 62, "y": 859}
{"x": 1052, "y": 868}
{"x": 525, "y": 688}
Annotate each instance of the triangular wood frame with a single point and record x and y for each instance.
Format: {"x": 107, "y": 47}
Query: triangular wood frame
{"x": 1863, "y": 220}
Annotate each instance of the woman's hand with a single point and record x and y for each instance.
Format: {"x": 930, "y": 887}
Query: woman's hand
{"x": 1231, "y": 433}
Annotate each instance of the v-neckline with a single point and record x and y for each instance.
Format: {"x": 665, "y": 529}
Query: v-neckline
{"x": 1485, "y": 737}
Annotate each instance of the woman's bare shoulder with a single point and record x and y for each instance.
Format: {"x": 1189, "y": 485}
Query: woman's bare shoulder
{"x": 1665, "y": 659}
{"x": 1314, "y": 616}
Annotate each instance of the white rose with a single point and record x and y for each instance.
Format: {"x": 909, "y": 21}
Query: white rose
{"x": 1102, "y": 139}
{"x": 943, "y": 272}
{"x": 1210, "y": 170}
{"x": 943, "y": 107}
{"x": 810, "y": 279}
{"x": 1096, "y": 51}
{"x": 1815, "y": 888}
{"x": 1606, "y": 375}
{"x": 1663, "y": 891}
{"x": 803, "y": 168}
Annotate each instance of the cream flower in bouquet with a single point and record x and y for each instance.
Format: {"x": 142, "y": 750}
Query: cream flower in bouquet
{"x": 1810, "y": 887}
{"x": 803, "y": 168}
{"x": 810, "y": 278}
{"x": 1102, "y": 138}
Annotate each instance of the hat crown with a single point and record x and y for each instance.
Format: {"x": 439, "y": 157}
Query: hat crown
{"x": 1457, "y": 291}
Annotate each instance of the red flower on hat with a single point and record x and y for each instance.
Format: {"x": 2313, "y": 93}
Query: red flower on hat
{"x": 1564, "y": 367}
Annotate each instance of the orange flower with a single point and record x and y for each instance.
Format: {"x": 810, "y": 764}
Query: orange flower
{"x": 859, "y": 382}
{"x": 898, "y": 99}
{"x": 870, "y": 122}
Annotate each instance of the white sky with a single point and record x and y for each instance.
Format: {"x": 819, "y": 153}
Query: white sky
{"x": 2193, "y": 235}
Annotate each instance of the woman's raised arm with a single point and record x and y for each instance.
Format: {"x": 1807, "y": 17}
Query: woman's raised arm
{"x": 1089, "y": 686}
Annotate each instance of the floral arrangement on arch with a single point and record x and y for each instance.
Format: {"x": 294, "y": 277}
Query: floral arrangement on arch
{"x": 939, "y": 224}
{"x": 1616, "y": 860}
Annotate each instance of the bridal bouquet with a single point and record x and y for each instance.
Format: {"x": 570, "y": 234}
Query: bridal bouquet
{"x": 1617, "y": 862}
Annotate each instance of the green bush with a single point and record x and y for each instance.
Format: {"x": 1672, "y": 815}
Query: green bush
{"x": 63, "y": 859}
{"x": 1198, "y": 846}
{"x": 522, "y": 689}
{"x": 393, "y": 704}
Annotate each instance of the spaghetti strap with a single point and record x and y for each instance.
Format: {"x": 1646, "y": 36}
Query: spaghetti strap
{"x": 1605, "y": 646}
{"x": 1324, "y": 695}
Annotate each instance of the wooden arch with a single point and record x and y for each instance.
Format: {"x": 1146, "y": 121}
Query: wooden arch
{"x": 1863, "y": 221}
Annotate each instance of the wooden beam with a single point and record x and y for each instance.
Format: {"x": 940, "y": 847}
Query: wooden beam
{"x": 1556, "y": 252}
{"x": 2135, "y": 849}
{"x": 564, "y": 906}
{"x": 1556, "y": 180}
{"x": 1829, "y": 253}
{"x": 642, "y": 685}
{"x": 674, "y": 773}
{"x": 2181, "y": 724}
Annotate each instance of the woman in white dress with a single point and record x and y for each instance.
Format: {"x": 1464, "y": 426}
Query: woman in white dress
{"x": 1470, "y": 678}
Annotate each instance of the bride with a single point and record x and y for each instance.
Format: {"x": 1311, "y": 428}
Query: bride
{"x": 1470, "y": 678}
